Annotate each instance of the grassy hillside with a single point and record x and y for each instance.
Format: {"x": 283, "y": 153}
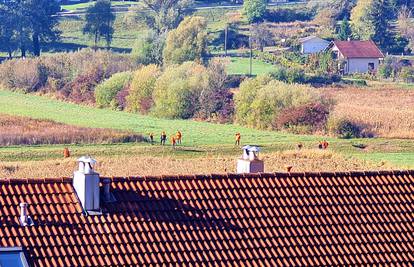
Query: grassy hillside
{"x": 195, "y": 133}
{"x": 200, "y": 138}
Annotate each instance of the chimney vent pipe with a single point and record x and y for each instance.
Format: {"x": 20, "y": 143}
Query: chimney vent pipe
{"x": 25, "y": 219}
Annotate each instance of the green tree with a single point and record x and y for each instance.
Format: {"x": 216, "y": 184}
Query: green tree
{"x": 177, "y": 91}
{"x": 345, "y": 30}
{"x": 163, "y": 15}
{"x": 99, "y": 22}
{"x": 43, "y": 22}
{"x": 106, "y": 92}
{"x": 371, "y": 19}
{"x": 7, "y": 28}
{"x": 381, "y": 16}
{"x": 148, "y": 49}
{"x": 28, "y": 21}
{"x": 254, "y": 10}
{"x": 141, "y": 89}
{"x": 186, "y": 43}
{"x": 362, "y": 28}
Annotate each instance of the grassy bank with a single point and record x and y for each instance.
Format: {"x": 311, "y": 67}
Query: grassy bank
{"x": 201, "y": 139}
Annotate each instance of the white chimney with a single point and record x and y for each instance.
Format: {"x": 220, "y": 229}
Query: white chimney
{"x": 249, "y": 162}
{"x": 86, "y": 184}
{"x": 25, "y": 219}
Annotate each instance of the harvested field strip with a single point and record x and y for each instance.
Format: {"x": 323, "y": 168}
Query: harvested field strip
{"x": 15, "y": 130}
{"x": 134, "y": 165}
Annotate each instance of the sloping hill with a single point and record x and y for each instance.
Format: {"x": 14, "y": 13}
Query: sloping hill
{"x": 195, "y": 133}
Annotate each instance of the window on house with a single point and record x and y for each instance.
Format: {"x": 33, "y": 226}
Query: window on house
{"x": 371, "y": 66}
{"x": 12, "y": 257}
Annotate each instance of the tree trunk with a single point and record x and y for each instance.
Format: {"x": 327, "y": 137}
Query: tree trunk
{"x": 36, "y": 44}
{"x": 96, "y": 41}
{"x": 23, "y": 50}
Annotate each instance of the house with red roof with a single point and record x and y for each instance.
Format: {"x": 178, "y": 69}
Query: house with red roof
{"x": 357, "y": 56}
{"x": 247, "y": 219}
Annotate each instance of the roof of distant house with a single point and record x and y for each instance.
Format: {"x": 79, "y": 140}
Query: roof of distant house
{"x": 274, "y": 219}
{"x": 358, "y": 49}
{"x": 311, "y": 37}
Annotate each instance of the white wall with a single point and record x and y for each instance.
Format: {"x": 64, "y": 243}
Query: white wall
{"x": 314, "y": 46}
{"x": 360, "y": 65}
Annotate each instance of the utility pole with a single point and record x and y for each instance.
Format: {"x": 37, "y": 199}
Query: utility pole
{"x": 251, "y": 51}
{"x": 225, "y": 39}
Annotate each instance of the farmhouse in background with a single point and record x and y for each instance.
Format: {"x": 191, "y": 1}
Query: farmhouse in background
{"x": 260, "y": 219}
{"x": 312, "y": 45}
{"x": 356, "y": 56}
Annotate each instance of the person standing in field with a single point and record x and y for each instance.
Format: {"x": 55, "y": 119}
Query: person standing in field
{"x": 173, "y": 141}
{"x": 238, "y": 137}
{"x": 151, "y": 136}
{"x": 163, "y": 138}
{"x": 178, "y": 137}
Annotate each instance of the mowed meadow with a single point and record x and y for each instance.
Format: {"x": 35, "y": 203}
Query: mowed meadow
{"x": 207, "y": 147}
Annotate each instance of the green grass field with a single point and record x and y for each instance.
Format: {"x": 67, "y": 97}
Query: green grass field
{"x": 241, "y": 65}
{"x": 200, "y": 138}
{"x": 74, "y": 7}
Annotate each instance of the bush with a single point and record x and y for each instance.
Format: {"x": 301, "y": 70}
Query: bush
{"x": 261, "y": 101}
{"x": 139, "y": 98}
{"x": 81, "y": 90}
{"x": 106, "y": 92}
{"x": 288, "y": 15}
{"x": 323, "y": 79}
{"x": 344, "y": 128}
{"x": 22, "y": 74}
{"x": 62, "y": 71}
{"x": 308, "y": 118}
{"x": 216, "y": 101}
{"x": 288, "y": 75}
{"x": 407, "y": 74}
{"x": 178, "y": 90}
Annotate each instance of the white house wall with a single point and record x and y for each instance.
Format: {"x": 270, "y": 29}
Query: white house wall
{"x": 360, "y": 65}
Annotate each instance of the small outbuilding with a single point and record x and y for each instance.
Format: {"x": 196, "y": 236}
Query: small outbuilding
{"x": 357, "y": 56}
{"x": 312, "y": 45}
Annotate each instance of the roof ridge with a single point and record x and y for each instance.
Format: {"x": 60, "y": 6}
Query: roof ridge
{"x": 260, "y": 175}
{"x": 212, "y": 176}
{"x": 49, "y": 180}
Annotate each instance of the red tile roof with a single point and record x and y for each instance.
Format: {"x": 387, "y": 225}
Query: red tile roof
{"x": 358, "y": 49}
{"x": 359, "y": 218}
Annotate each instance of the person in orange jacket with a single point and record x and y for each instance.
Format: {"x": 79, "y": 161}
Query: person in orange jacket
{"x": 173, "y": 141}
{"x": 178, "y": 137}
{"x": 238, "y": 137}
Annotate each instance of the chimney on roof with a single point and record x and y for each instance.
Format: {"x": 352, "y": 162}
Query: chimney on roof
{"x": 25, "y": 219}
{"x": 250, "y": 162}
{"x": 86, "y": 184}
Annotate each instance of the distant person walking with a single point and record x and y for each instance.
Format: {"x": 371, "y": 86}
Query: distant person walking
{"x": 173, "y": 141}
{"x": 151, "y": 136}
{"x": 238, "y": 137}
{"x": 178, "y": 137}
{"x": 163, "y": 138}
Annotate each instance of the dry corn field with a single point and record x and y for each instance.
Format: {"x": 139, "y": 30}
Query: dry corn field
{"x": 306, "y": 160}
{"x": 16, "y": 130}
{"x": 386, "y": 112}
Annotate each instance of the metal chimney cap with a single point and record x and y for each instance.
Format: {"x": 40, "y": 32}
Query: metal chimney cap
{"x": 254, "y": 149}
{"x": 86, "y": 159}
